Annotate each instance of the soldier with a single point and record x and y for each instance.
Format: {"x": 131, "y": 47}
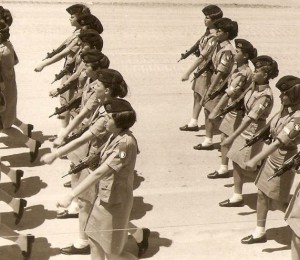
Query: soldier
{"x": 285, "y": 136}
{"x": 258, "y": 104}
{"x": 238, "y": 82}
{"x": 108, "y": 221}
{"x": 212, "y": 13}
{"x": 222, "y": 60}
{"x": 8, "y": 59}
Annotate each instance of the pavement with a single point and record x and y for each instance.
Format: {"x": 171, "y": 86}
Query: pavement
{"x": 173, "y": 196}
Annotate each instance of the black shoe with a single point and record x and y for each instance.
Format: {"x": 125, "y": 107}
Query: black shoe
{"x": 250, "y": 240}
{"x": 23, "y": 204}
{"x": 201, "y": 147}
{"x": 34, "y": 154}
{"x": 30, "y": 240}
{"x": 67, "y": 184}
{"x": 189, "y": 128}
{"x": 216, "y": 175}
{"x": 66, "y": 214}
{"x": 72, "y": 250}
{"x": 19, "y": 175}
{"x": 228, "y": 204}
{"x": 29, "y": 130}
{"x": 143, "y": 246}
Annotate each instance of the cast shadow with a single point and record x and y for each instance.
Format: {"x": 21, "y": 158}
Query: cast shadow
{"x": 137, "y": 180}
{"x": 29, "y": 187}
{"x": 41, "y": 250}
{"x": 139, "y": 208}
{"x": 33, "y": 217}
{"x": 282, "y": 235}
{"x": 23, "y": 160}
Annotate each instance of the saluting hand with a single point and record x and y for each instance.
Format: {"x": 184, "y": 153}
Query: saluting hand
{"x": 65, "y": 201}
{"x": 48, "y": 158}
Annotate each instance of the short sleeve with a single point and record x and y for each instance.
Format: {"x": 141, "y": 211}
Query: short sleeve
{"x": 209, "y": 47}
{"x": 98, "y": 128}
{"x": 226, "y": 62}
{"x": 236, "y": 85}
{"x": 260, "y": 107}
{"x": 92, "y": 103}
{"x": 119, "y": 157}
{"x": 289, "y": 133}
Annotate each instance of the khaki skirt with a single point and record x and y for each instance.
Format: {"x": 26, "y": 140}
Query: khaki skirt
{"x": 292, "y": 215}
{"x": 230, "y": 122}
{"x": 201, "y": 83}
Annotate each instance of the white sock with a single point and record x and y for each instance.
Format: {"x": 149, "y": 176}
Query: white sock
{"x": 138, "y": 235}
{"x": 259, "y": 232}
{"x": 193, "y": 122}
{"x": 207, "y": 141}
{"x": 223, "y": 169}
{"x": 236, "y": 198}
{"x": 81, "y": 243}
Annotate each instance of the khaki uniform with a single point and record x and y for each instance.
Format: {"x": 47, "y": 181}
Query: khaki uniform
{"x": 239, "y": 80}
{"x": 206, "y": 46}
{"x": 8, "y": 59}
{"x": 222, "y": 60}
{"x": 258, "y": 104}
{"x": 107, "y": 223}
{"x": 279, "y": 187}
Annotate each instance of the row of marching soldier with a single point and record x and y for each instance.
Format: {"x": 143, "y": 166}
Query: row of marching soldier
{"x": 95, "y": 137}
{"x": 237, "y": 102}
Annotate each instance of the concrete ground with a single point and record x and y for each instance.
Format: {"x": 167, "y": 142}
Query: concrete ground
{"x": 174, "y": 198}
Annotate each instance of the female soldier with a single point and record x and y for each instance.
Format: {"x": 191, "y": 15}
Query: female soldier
{"x": 69, "y": 52}
{"x": 258, "y": 104}
{"x": 285, "y": 133}
{"x": 8, "y": 60}
{"x": 110, "y": 84}
{"x": 239, "y": 81}
{"x": 222, "y": 60}
{"x": 212, "y": 13}
{"x": 108, "y": 222}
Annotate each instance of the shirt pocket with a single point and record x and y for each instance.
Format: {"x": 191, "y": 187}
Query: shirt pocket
{"x": 105, "y": 190}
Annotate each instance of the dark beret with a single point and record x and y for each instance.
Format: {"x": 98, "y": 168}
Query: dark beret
{"x": 243, "y": 44}
{"x": 287, "y": 82}
{"x": 92, "y": 21}
{"x": 110, "y": 76}
{"x": 212, "y": 11}
{"x": 92, "y": 37}
{"x": 262, "y": 61}
{"x": 117, "y": 105}
{"x": 6, "y": 16}
{"x": 78, "y": 9}
{"x": 227, "y": 25}
{"x": 92, "y": 56}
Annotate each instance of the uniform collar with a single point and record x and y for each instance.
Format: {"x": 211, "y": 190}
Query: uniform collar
{"x": 261, "y": 88}
{"x": 224, "y": 43}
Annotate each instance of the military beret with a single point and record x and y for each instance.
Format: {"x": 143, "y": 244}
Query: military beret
{"x": 262, "y": 61}
{"x": 117, "y": 105}
{"x": 287, "y": 82}
{"x": 243, "y": 44}
{"x": 212, "y": 11}
{"x": 92, "y": 56}
{"x": 6, "y": 16}
{"x": 227, "y": 25}
{"x": 92, "y": 37}
{"x": 110, "y": 76}
{"x": 92, "y": 21}
{"x": 78, "y": 9}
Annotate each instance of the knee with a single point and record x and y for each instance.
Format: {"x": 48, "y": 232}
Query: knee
{"x": 261, "y": 197}
{"x": 197, "y": 97}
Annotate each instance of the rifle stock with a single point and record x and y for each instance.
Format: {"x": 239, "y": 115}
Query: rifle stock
{"x": 193, "y": 50}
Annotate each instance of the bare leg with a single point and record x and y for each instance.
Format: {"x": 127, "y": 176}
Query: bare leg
{"x": 196, "y": 106}
{"x": 262, "y": 208}
{"x": 295, "y": 247}
{"x": 224, "y": 151}
{"x": 97, "y": 252}
{"x": 84, "y": 209}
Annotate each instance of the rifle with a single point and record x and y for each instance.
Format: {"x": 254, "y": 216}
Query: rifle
{"x": 219, "y": 91}
{"x": 293, "y": 162}
{"x": 54, "y": 52}
{"x": 73, "y": 103}
{"x": 235, "y": 104}
{"x": 64, "y": 88}
{"x": 263, "y": 134}
{"x": 68, "y": 69}
{"x": 204, "y": 68}
{"x": 74, "y": 136}
{"x": 90, "y": 161}
{"x": 193, "y": 50}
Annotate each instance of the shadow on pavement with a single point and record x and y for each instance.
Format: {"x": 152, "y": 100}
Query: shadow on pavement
{"x": 282, "y": 235}
{"x": 41, "y": 250}
{"x": 139, "y": 208}
{"x": 33, "y": 217}
{"x": 22, "y": 159}
{"x": 29, "y": 186}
